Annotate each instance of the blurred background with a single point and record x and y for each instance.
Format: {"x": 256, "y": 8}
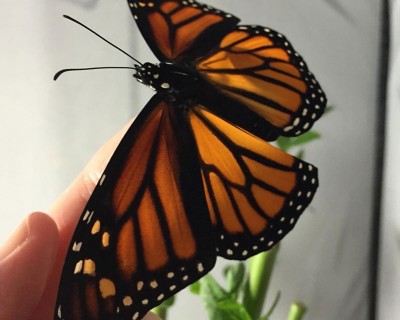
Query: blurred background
{"x": 49, "y": 130}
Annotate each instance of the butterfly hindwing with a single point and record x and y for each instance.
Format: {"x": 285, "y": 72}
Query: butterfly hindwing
{"x": 144, "y": 234}
{"x": 254, "y": 191}
{"x": 180, "y": 30}
{"x": 259, "y": 68}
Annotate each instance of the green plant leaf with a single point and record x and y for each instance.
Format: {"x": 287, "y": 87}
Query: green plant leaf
{"x": 169, "y": 302}
{"x": 162, "y": 309}
{"x": 300, "y": 154}
{"x": 234, "y": 275}
{"x": 211, "y": 294}
{"x": 306, "y": 138}
{"x": 284, "y": 143}
{"x": 195, "y": 287}
{"x": 232, "y": 310}
{"x": 211, "y": 291}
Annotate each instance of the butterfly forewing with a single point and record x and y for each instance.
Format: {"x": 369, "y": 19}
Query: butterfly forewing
{"x": 254, "y": 191}
{"x": 144, "y": 234}
{"x": 259, "y": 68}
{"x": 179, "y": 30}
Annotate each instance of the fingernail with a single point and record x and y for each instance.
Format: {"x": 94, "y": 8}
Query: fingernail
{"x": 16, "y": 239}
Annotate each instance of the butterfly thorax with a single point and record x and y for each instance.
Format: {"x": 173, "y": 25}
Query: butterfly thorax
{"x": 172, "y": 81}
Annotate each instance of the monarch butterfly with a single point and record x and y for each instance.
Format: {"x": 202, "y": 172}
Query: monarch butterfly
{"x": 194, "y": 177}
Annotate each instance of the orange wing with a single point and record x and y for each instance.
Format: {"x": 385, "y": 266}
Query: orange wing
{"x": 255, "y": 192}
{"x": 144, "y": 234}
{"x": 258, "y": 68}
{"x": 179, "y": 30}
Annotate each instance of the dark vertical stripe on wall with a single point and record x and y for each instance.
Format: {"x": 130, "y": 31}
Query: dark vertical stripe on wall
{"x": 379, "y": 158}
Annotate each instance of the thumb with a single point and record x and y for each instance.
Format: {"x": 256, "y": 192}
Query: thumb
{"x": 25, "y": 263}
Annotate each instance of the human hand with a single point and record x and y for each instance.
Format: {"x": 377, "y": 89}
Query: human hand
{"x": 31, "y": 260}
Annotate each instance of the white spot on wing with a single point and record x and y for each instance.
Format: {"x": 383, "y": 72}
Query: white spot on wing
{"x": 127, "y": 301}
{"x": 90, "y": 217}
{"x": 77, "y": 246}
{"x": 86, "y": 215}
{"x": 103, "y": 177}
{"x": 200, "y": 267}
{"x": 78, "y": 267}
{"x": 160, "y": 297}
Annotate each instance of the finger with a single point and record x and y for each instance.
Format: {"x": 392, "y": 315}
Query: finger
{"x": 66, "y": 212}
{"x": 69, "y": 206}
{"x": 26, "y": 260}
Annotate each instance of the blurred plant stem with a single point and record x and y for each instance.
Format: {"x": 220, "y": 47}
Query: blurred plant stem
{"x": 161, "y": 311}
{"x": 256, "y": 288}
{"x": 297, "y": 311}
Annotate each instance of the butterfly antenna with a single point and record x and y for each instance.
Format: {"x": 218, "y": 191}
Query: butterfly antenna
{"x": 59, "y": 73}
{"x": 104, "y": 39}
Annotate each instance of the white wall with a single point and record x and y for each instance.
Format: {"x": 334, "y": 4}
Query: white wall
{"x": 49, "y": 130}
